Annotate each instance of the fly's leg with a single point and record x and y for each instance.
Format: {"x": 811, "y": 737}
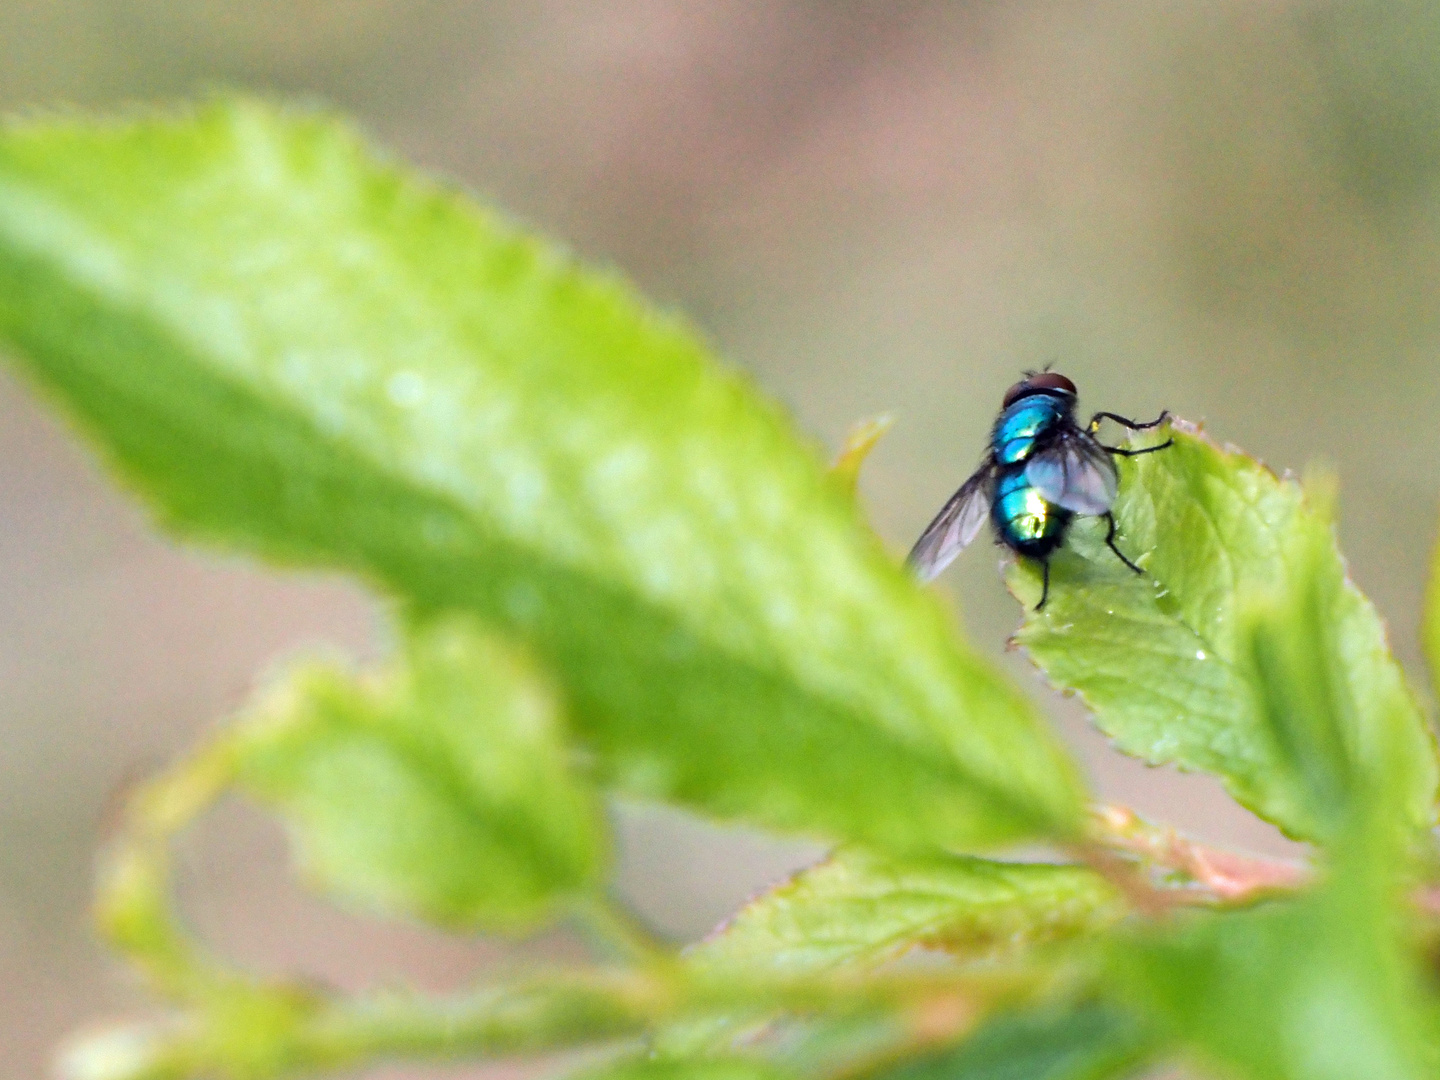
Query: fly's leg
{"x": 1110, "y": 543}
{"x": 1133, "y": 426}
{"x": 1124, "y": 421}
{"x": 1045, "y": 578}
{"x": 1136, "y": 453}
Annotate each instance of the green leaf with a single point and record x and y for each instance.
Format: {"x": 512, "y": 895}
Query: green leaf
{"x": 1344, "y": 767}
{"x": 1316, "y": 988}
{"x": 1310, "y": 989}
{"x": 437, "y": 787}
{"x": 859, "y": 442}
{"x": 1166, "y": 660}
{"x": 857, "y": 907}
{"x": 294, "y": 350}
{"x": 1093, "y": 1042}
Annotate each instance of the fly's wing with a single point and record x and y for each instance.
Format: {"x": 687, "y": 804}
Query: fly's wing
{"x": 1074, "y": 471}
{"x": 954, "y": 527}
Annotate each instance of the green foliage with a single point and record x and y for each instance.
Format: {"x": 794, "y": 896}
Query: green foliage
{"x": 438, "y": 788}
{"x": 858, "y": 907}
{"x": 288, "y": 348}
{"x": 1310, "y": 679}
{"x": 1168, "y": 661}
{"x": 1320, "y": 986}
{"x": 1308, "y": 989}
{"x": 615, "y": 568}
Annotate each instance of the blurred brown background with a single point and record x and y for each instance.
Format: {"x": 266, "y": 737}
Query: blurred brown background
{"x": 1227, "y": 209}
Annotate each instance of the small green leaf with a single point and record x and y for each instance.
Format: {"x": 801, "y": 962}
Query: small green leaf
{"x": 857, "y": 910}
{"x": 1092, "y": 1042}
{"x": 859, "y": 443}
{"x": 290, "y": 348}
{"x": 438, "y": 787}
{"x": 857, "y": 907}
{"x": 1165, "y": 660}
{"x": 1310, "y": 989}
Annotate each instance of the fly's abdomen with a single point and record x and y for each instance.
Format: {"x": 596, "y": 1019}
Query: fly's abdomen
{"x": 1025, "y": 521}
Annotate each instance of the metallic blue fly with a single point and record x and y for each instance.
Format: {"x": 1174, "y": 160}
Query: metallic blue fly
{"x": 1042, "y": 470}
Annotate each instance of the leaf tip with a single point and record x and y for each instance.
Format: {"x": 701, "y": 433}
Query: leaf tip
{"x": 861, "y": 440}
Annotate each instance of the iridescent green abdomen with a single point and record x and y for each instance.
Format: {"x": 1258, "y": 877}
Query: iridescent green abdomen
{"x": 1024, "y": 520}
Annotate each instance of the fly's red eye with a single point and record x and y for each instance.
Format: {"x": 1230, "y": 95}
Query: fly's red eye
{"x": 1050, "y": 380}
{"x": 1019, "y": 390}
{"x": 1046, "y": 380}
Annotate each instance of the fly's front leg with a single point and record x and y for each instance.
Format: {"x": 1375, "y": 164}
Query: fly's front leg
{"x": 1125, "y": 421}
{"x": 1133, "y": 426}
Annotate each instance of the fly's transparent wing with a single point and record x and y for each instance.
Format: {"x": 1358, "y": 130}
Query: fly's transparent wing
{"x": 954, "y": 527}
{"x": 1074, "y": 471}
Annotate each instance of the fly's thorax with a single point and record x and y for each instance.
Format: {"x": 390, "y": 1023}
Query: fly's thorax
{"x": 1026, "y": 421}
{"x": 1023, "y": 519}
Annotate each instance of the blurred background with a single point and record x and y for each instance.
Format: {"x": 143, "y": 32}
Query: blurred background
{"x": 1227, "y": 209}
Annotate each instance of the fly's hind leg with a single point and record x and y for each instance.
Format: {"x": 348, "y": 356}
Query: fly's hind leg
{"x": 1045, "y": 580}
{"x": 1110, "y": 543}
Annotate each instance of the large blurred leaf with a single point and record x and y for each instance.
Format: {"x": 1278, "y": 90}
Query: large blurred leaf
{"x": 860, "y": 908}
{"x": 438, "y": 787}
{"x": 289, "y": 348}
{"x": 1164, "y": 659}
{"x": 1093, "y": 1042}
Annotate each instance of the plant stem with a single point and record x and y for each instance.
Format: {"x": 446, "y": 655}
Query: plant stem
{"x": 1229, "y": 877}
{"x": 275, "y": 1031}
{"x": 134, "y": 908}
{"x": 616, "y": 927}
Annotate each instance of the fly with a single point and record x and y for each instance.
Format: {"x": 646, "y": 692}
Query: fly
{"x": 1042, "y": 469}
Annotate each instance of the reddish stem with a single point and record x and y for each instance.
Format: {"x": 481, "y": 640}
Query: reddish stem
{"x": 1227, "y": 876}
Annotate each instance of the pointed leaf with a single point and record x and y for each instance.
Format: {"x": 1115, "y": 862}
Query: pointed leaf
{"x": 1164, "y": 659}
{"x": 857, "y": 907}
{"x": 438, "y": 787}
{"x": 292, "y": 349}
{"x": 859, "y": 442}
